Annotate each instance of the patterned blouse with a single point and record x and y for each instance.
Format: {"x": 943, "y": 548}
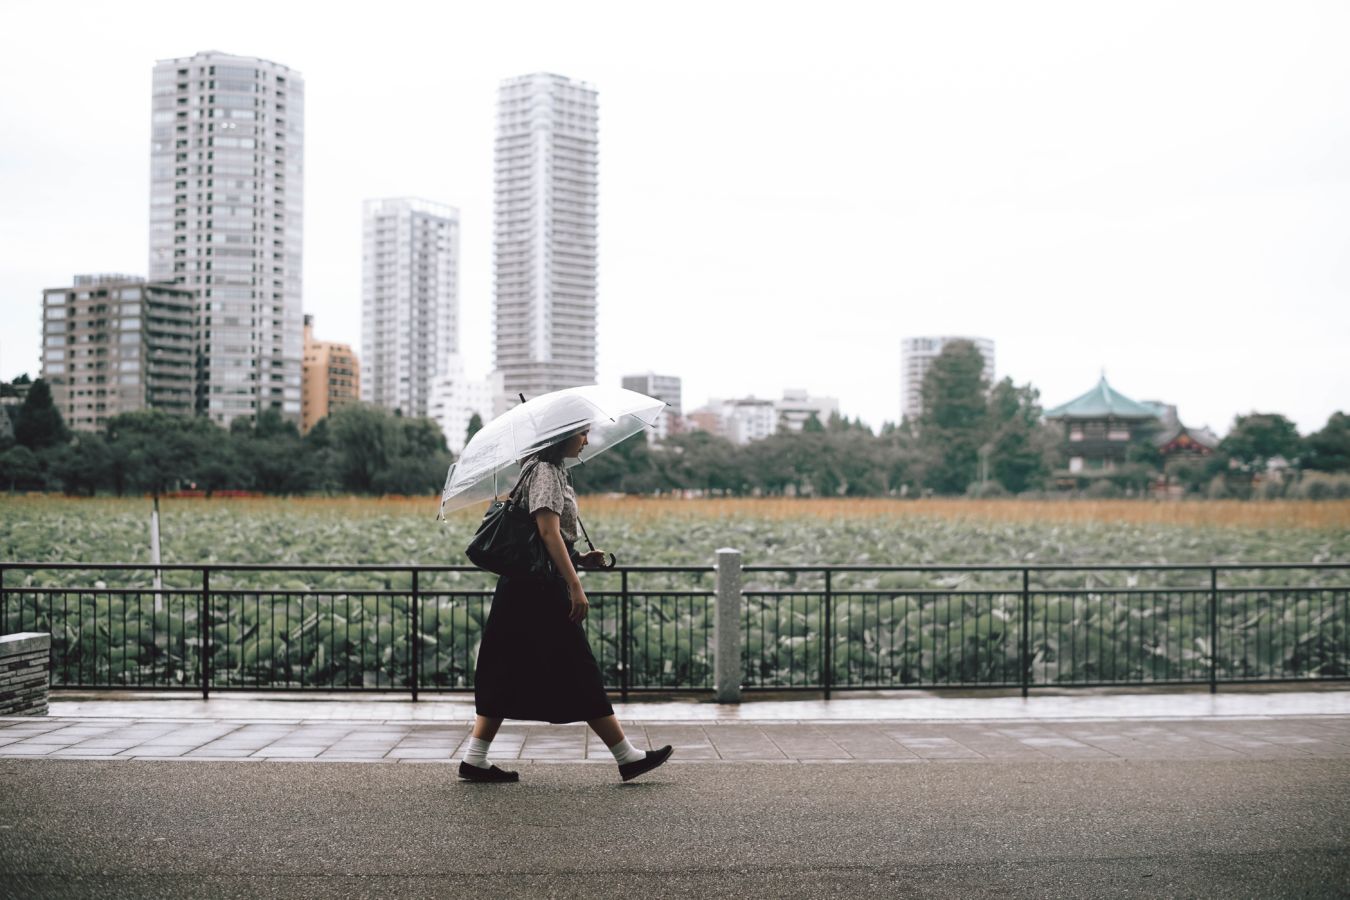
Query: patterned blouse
{"x": 548, "y": 487}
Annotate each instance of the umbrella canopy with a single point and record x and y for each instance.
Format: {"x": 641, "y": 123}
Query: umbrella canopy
{"x": 492, "y": 458}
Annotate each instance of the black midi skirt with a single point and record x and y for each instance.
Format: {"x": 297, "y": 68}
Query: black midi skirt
{"x": 532, "y": 662}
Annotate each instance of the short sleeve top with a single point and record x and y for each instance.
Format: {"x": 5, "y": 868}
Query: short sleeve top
{"x": 548, "y": 487}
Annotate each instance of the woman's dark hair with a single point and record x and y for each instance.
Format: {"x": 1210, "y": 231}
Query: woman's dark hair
{"x": 553, "y": 453}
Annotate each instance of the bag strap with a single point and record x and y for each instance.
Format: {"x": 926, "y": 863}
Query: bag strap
{"x": 613, "y": 560}
{"x": 529, "y": 467}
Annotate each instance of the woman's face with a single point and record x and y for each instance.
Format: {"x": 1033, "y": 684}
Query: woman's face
{"x": 575, "y": 444}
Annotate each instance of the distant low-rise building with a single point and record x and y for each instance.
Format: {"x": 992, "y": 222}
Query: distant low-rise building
{"x": 797, "y": 407}
{"x": 740, "y": 421}
{"x": 662, "y": 387}
{"x": 1175, "y": 440}
{"x": 330, "y": 378}
{"x": 113, "y": 344}
{"x": 456, "y": 399}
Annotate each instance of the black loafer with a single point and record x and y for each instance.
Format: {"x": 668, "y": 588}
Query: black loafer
{"x": 472, "y": 773}
{"x": 654, "y": 758}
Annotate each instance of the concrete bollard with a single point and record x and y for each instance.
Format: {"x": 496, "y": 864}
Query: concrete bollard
{"x": 727, "y": 627}
{"x": 25, "y": 660}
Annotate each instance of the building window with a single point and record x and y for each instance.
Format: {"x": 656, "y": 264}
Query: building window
{"x": 1075, "y": 432}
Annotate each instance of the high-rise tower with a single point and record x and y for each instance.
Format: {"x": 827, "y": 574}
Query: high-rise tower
{"x": 544, "y": 229}
{"x": 409, "y": 300}
{"x": 226, "y": 203}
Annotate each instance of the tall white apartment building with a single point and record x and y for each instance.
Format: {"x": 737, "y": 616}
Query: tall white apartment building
{"x": 917, "y": 355}
{"x": 544, "y": 234}
{"x": 226, "y": 207}
{"x": 409, "y": 300}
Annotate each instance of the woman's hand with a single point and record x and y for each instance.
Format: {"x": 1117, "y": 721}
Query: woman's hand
{"x": 580, "y": 605}
{"x": 593, "y": 560}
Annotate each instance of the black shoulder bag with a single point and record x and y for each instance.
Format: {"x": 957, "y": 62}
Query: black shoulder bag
{"x": 507, "y": 541}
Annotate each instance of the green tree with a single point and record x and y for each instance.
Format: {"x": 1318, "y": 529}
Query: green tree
{"x": 475, "y": 426}
{"x": 1257, "y": 438}
{"x": 955, "y": 417}
{"x": 39, "y": 424}
{"x": 1017, "y": 457}
{"x": 364, "y": 440}
{"x": 1328, "y": 450}
{"x": 82, "y": 466}
{"x": 153, "y": 451}
{"x": 20, "y": 470}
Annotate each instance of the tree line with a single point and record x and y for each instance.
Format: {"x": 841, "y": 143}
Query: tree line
{"x": 358, "y": 449}
{"x": 972, "y": 438}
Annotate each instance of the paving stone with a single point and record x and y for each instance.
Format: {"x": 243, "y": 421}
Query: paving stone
{"x": 291, "y": 752}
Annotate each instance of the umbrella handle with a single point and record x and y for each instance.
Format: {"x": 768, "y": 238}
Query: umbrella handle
{"x": 613, "y": 561}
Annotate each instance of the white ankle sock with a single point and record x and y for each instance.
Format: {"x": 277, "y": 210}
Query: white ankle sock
{"x": 625, "y": 752}
{"x": 476, "y": 755}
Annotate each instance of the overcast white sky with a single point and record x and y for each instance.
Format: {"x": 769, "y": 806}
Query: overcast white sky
{"x": 1160, "y": 190}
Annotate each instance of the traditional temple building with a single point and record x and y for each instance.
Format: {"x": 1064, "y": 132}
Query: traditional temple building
{"x": 1177, "y": 441}
{"x": 1099, "y": 428}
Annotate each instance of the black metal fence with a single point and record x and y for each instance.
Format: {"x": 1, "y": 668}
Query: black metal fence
{"x": 812, "y": 628}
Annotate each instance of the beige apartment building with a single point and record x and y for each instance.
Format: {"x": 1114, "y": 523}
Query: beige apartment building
{"x": 115, "y": 343}
{"x": 331, "y": 378}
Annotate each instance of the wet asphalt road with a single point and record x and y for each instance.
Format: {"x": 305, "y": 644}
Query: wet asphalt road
{"x": 1145, "y": 828}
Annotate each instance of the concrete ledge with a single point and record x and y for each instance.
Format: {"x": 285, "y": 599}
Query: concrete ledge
{"x": 25, "y": 673}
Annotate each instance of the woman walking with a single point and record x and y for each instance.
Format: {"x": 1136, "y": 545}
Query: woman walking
{"x": 534, "y": 661}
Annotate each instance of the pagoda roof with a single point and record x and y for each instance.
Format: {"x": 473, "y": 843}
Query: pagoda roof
{"x": 1102, "y": 402}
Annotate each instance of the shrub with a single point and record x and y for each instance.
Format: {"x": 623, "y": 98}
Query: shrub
{"x": 1319, "y": 486}
{"x": 1103, "y": 489}
{"x": 987, "y": 489}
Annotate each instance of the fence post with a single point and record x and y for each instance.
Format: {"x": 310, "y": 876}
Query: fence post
{"x": 1213, "y": 629}
{"x": 1026, "y": 617}
{"x": 727, "y": 627}
{"x": 827, "y": 640}
{"x": 206, "y": 634}
{"x": 624, "y": 679}
{"x": 415, "y": 623}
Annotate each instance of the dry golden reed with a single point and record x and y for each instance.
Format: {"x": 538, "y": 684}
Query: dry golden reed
{"x": 1218, "y": 513}
{"x": 1304, "y": 514}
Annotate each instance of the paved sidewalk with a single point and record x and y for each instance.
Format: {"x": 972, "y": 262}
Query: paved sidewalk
{"x": 1237, "y": 701}
{"x": 1290, "y": 724}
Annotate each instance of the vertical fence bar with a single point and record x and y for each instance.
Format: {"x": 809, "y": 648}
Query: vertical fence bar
{"x": 624, "y": 678}
{"x": 1026, "y": 617}
{"x": 827, "y": 639}
{"x": 206, "y": 633}
{"x": 1213, "y": 630}
{"x": 415, "y": 625}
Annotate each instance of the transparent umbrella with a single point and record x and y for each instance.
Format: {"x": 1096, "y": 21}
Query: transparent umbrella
{"x": 492, "y": 458}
